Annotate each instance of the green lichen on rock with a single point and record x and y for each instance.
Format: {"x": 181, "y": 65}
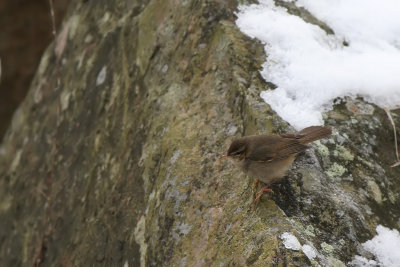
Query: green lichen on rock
{"x": 322, "y": 149}
{"x": 334, "y": 262}
{"x": 327, "y": 248}
{"x": 336, "y": 170}
{"x": 376, "y": 193}
{"x": 370, "y": 165}
{"x": 342, "y": 153}
{"x": 310, "y": 231}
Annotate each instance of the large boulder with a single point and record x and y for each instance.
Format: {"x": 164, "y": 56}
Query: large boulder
{"x": 111, "y": 159}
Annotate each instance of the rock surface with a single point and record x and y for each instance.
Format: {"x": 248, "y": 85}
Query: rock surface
{"x": 26, "y": 30}
{"x": 117, "y": 165}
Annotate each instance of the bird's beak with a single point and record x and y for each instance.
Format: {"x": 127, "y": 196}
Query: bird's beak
{"x": 221, "y": 158}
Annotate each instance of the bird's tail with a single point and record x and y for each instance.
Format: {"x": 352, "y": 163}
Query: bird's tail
{"x": 313, "y": 133}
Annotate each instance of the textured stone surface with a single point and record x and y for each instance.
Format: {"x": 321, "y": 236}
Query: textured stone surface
{"x": 26, "y": 30}
{"x": 119, "y": 165}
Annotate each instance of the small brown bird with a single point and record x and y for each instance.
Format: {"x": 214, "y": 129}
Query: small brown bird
{"x": 269, "y": 157}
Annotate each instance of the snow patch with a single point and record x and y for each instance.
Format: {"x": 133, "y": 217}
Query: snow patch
{"x": 290, "y": 241}
{"x": 312, "y": 68}
{"x": 385, "y": 246}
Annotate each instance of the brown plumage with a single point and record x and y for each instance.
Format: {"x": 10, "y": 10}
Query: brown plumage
{"x": 269, "y": 157}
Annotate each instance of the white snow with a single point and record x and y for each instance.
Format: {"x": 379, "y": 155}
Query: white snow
{"x": 309, "y": 251}
{"x": 290, "y": 241}
{"x": 385, "y": 246}
{"x": 312, "y": 68}
{"x": 363, "y": 262}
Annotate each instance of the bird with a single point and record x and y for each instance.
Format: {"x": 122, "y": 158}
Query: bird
{"x": 268, "y": 157}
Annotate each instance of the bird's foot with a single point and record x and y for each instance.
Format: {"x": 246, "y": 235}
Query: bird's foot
{"x": 260, "y": 193}
{"x": 256, "y": 182}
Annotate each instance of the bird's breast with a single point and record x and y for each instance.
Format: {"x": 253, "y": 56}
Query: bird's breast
{"x": 267, "y": 172}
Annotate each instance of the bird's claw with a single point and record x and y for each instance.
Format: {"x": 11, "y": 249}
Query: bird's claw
{"x": 260, "y": 193}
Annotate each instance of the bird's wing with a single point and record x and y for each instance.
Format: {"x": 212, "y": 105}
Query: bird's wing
{"x": 262, "y": 153}
{"x": 281, "y": 149}
{"x": 292, "y": 136}
{"x": 290, "y": 147}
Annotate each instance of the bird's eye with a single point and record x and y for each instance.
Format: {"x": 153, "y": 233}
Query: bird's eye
{"x": 237, "y": 153}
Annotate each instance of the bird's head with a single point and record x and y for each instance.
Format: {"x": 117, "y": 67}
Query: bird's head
{"x": 237, "y": 149}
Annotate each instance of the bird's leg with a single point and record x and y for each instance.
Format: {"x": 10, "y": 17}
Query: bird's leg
{"x": 260, "y": 193}
{"x": 256, "y": 182}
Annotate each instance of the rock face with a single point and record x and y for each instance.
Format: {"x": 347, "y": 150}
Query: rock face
{"x": 26, "y": 30}
{"x": 117, "y": 164}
